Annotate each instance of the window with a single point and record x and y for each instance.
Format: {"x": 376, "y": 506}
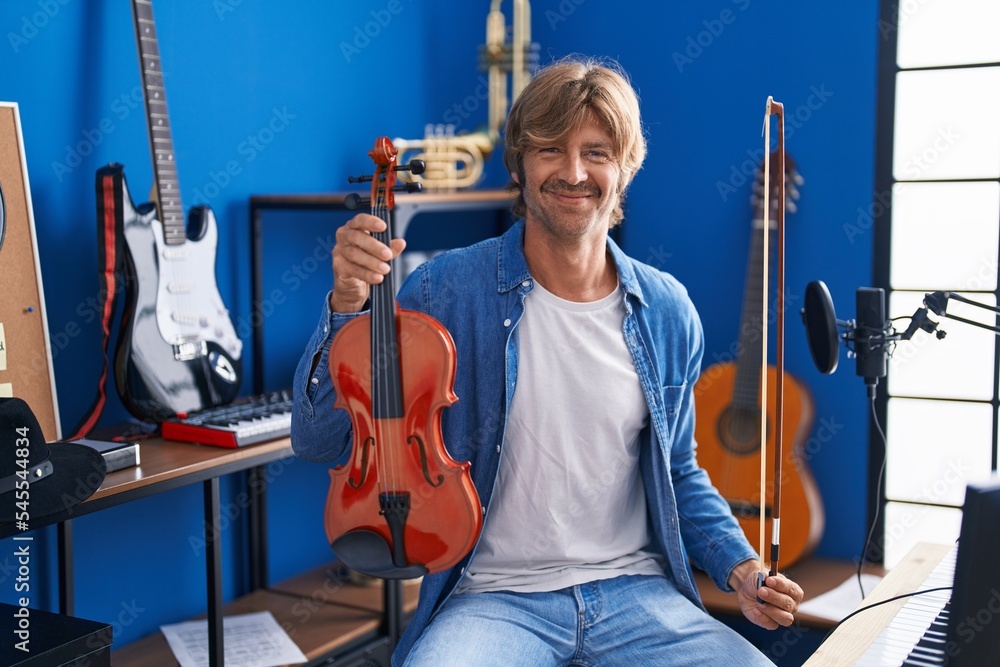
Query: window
{"x": 938, "y": 166}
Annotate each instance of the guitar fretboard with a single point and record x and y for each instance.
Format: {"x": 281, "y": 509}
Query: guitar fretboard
{"x": 164, "y": 167}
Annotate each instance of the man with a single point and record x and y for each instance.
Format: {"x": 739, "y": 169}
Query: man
{"x": 575, "y": 373}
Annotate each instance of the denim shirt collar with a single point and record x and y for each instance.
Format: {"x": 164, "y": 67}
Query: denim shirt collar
{"x": 512, "y": 267}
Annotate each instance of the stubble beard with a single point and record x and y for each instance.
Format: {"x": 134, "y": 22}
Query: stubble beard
{"x": 561, "y": 221}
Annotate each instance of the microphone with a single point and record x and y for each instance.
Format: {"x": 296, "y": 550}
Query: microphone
{"x": 868, "y": 338}
{"x": 871, "y": 334}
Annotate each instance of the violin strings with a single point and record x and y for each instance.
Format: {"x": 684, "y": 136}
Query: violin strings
{"x": 384, "y": 356}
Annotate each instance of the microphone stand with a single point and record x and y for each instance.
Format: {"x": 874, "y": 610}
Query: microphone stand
{"x": 937, "y": 303}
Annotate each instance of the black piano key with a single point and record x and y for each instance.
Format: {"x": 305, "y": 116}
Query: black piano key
{"x": 929, "y": 651}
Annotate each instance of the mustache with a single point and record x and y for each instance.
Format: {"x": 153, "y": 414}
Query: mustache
{"x": 562, "y": 187}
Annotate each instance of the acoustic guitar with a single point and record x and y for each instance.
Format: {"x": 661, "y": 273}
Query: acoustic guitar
{"x": 178, "y": 350}
{"x": 727, "y": 402}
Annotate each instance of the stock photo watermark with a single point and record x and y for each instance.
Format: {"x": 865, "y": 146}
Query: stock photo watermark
{"x": 32, "y": 24}
{"x": 698, "y": 43}
{"x": 913, "y": 169}
{"x": 365, "y": 33}
{"x": 249, "y": 150}
{"x": 795, "y": 119}
{"x": 92, "y": 137}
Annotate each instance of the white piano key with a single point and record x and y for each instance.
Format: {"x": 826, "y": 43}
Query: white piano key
{"x": 915, "y": 618}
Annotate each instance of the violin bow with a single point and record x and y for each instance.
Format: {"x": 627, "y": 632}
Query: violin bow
{"x": 773, "y": 108}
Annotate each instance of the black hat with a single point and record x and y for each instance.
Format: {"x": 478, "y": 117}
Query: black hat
{"x": 59, "y": 476}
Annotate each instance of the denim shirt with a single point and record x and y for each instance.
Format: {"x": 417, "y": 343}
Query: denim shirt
{"x": 478, "y": 293}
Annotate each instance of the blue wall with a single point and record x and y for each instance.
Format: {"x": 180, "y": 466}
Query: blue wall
{"x": 292, "y": 94}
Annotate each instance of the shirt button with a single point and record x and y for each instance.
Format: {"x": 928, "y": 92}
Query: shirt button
{"x": 526, "y": 283}
{"x": 315, "y": 380}
{"x": 498, "y": 449}
{"x": 462, "y": 571}
{"x": 506, "y": 322}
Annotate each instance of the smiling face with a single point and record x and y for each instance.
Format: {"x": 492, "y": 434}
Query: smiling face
{"x": 570, "y": 112}
{"x": 571, "y": 186}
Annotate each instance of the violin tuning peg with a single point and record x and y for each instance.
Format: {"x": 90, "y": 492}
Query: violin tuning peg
{"x": 414, "y": 167}
{"x": 359, "y": 179}
{"x": 353, "y": 202}
{"x": 409, "y": 187}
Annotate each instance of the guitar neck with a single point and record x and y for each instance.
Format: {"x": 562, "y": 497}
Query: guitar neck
{"x": 165, "y": 185}
{"x": 747, "y": 383}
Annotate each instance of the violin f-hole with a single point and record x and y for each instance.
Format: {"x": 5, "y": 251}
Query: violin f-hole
{"x": 423, "y": 460}
{"x": 368, "y": 444}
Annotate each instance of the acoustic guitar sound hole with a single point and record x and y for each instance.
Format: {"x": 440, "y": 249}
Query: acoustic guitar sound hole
{"x": 739, "y": 430}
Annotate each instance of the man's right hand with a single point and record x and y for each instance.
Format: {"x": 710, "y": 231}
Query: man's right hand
{"x": 360, "y": 260}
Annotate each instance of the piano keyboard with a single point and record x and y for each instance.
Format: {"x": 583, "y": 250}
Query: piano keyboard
{"x": 916, "y": 635}
{"x": 246, "y": 421}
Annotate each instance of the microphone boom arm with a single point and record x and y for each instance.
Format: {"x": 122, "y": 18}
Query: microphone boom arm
{"x": 938, "y": 303}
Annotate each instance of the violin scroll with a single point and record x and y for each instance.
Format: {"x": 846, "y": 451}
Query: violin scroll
{"x": 384, "y": 179}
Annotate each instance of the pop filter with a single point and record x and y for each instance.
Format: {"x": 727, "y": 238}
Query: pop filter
{"x": 821, "y": 327}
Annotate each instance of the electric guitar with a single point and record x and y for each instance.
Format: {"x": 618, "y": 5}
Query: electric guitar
{"x": 177, "y": 350}
{"x": 727, "y": 401}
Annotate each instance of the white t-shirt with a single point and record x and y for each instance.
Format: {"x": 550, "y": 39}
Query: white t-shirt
{"x": 569, "y": 505}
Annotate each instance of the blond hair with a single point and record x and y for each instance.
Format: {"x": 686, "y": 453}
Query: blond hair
{"x": 558, "y": 100}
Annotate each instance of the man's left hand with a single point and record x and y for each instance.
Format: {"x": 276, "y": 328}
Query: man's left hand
{"x": 781, "y": 596}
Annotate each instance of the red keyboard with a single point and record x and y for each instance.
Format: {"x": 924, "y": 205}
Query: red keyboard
{"x": 245, "y": 421}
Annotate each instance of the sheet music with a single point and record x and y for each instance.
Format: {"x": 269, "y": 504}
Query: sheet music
{"x": 249, "y": 640}
{"x": 842, "y": 600}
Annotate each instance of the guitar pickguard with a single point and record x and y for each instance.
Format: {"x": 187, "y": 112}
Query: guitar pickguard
{"x": 189, "y": 309}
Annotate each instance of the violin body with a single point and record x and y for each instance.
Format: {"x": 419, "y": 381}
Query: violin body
{"x": 728, "y": 449}
{"x": 401, "y": 456}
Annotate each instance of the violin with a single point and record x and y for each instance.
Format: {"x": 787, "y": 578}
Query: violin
{"x": 401, "y": 507}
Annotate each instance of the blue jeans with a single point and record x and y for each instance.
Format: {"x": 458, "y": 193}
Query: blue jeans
{"x": 631, "y": 621}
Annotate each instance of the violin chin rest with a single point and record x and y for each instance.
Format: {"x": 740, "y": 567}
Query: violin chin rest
{"x": 367, "y": 552}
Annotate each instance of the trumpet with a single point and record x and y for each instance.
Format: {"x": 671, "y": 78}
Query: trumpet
{"x": 458, "y": 161}
{"x": 497, "y": 57}
{"x": 453, "y": 162}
